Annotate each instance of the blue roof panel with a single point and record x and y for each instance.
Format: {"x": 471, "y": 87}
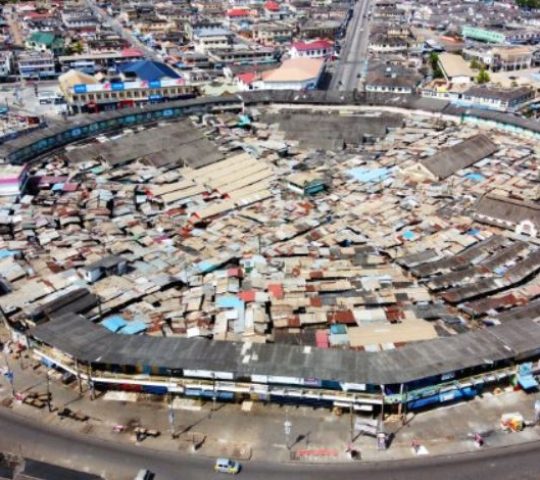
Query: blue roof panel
{"x": 148, "y": 70}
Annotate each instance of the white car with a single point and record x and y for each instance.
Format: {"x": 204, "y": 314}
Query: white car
{"x": 226, "y": 465}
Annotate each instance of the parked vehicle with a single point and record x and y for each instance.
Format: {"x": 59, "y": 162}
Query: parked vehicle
{"x": 226, "y": 465}
{"x": 144, "y": 474}
{"x": 47, "y": 97}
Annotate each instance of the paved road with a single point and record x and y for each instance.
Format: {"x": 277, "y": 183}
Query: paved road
{"x": 120, "y": 30}
{"x": 353, "y": 58}
{"x": 120, "y": 461}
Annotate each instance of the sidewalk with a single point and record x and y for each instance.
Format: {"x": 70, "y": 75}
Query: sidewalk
{"x": 316, "y": 435}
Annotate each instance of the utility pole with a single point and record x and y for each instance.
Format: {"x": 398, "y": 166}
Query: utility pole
{"x": 9, "y": 373}
{"x": 49, "y": 406}
{"x": 400, "y": 406}
{"x": 214, "y": 393}
{"x": 91, "y": 383}
{"x": 170, "y": 415}
{"x": 287, "y": 426}
{"x": 352, "y": 422}
{"x": 79, "y": 379}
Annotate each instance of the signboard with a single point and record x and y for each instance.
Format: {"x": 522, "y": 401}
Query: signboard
{"x": 312, "y": 382}
{"x": 121, "y": 86}
{"x": 285, "y": 380}
{"x": 353, "y": 386}
{"x": 208, "y": 374}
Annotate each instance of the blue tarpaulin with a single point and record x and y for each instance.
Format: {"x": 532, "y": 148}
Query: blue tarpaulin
{"x": 475, "y": 177}
{"x": 7, "y": 253}
{"x": 229, "y": 301}
{"x": 338, "y": 329}
{"x": 525, "y": 376}
{"x": 205, "y": 266}
{"x": 134, "y": 327}
{"x": 114, "y": 323}
{"x": 408, "y": 235}
{"x": 527, "y": 382}
{"x": 361, "y": 174}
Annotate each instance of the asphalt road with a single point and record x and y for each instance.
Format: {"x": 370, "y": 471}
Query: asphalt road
{"x": 353, "y": 58}
{"x": 122, "y": 461}
{"x": 120, "y": 30}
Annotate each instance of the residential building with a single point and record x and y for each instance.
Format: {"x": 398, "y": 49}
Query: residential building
{"x": 392, "y": 79}
{"x": 242, "y": 56}
{"x": 497, "y": 98}
{"x": 312, "y": 49}
{"x": 36, "y": 65}
{"x": 272, "y": 33}
{"x": 92, "y": 62}
{"x": 82, "y": 20}
{"x": 6, "y": 63}
{"x": 212, "y": 38}
{"x": 512, "y": 58}
{"x": 314, "y": 28}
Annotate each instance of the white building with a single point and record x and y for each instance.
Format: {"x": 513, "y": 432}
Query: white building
{"x": 6, "y": 63}
{"x": 312, "y": 49}
{"x": 293, "y": 74}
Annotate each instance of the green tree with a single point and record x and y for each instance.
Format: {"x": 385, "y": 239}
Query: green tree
{"x": 528, "y": 3}
{"x": 476, "y": 64}
{"x": 75, "y": 48}
{"x": 434, "y": 64}
{"x": 483, "y": 76}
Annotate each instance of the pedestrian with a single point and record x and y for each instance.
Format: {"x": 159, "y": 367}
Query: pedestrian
{"x": 478, "y": 440}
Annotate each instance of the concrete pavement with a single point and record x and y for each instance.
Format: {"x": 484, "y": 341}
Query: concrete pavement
{"x": 118, "y": 461}
{"x": 257, "y": 433}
